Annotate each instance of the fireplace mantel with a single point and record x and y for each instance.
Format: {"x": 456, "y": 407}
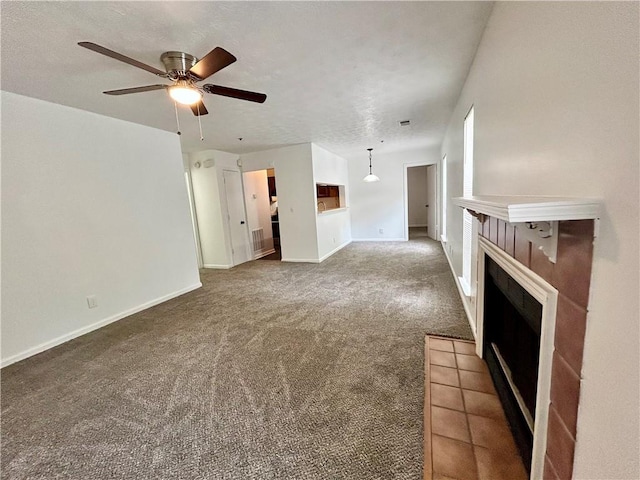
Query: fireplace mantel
{"x": 536, "y": 217}
{"x": 522, "y": 208}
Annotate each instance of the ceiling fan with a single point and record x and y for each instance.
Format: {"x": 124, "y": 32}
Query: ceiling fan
{"x": 185, "y": 71}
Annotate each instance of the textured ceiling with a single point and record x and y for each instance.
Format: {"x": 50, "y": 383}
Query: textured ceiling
{"x": 340, "y": 74}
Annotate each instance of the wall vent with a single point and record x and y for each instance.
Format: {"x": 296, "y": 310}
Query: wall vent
{"x": 258, "y": 240}
{"x": 404, "y": 123}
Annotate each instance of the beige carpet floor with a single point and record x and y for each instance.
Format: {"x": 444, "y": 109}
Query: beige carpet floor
{"x": 270, "y": 371}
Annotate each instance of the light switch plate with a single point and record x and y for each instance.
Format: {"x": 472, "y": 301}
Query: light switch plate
{"x": 92, "y": 301}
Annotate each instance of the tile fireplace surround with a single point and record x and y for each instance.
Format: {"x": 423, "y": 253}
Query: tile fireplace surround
{"x": 570, "y": 276}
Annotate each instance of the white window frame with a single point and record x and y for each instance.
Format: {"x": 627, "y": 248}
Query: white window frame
{"x": 443, "y": 237}
{"x": 467, "y": 191}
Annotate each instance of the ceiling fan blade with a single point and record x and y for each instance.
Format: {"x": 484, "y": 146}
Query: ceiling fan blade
{"x": 118, "y": 56}
{"x": 199, "y": 109}
{"x": 212, "y": 62}
{"x": 235, "y": 93}
{"x": 126, "y": 91}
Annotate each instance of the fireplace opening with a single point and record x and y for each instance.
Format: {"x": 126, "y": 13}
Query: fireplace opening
{"x": 511, "y": 347}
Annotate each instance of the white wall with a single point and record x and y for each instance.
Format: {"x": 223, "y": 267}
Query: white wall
{"x": 417, "y": 196}
{"x": 555, "y": 89}
{"x": 91, "y": 205}
{"x": 333, "y": 227}
{"x": 381, "y": 205}
{"x": 256, "y": 197}
{"x": 296, "y": 198}
{"x": 210, "y": 202}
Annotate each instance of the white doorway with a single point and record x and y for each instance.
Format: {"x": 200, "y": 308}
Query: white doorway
{"x": 420, "y": 200}
{"x": 236, "y": 218}
{"x": 258, "y": 205}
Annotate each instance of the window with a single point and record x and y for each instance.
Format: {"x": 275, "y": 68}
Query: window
{"x": 444, "y": 199}
{"x": 467, "y": 191}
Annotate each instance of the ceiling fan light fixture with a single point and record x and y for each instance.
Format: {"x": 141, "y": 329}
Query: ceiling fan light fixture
{"x": 185, "y": 95}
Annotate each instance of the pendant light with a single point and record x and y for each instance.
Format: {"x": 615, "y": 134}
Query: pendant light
{"x": 371, "y": 177}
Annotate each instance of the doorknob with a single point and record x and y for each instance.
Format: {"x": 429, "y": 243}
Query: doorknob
{"x": 241, "y": 222}
{"x": 427, "y": 206}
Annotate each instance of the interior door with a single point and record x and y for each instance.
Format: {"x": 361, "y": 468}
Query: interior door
{"x": 236, "y": 217}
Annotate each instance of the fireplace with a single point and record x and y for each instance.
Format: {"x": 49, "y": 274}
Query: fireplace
{"x": 511, "y": 348}
{"x": 516, "y": 313}
{"x": 545, "y": 244}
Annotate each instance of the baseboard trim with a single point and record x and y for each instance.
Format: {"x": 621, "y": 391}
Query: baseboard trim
{"x": 463, "y": 297}
{"x": 264, "y": 254}
{"x": 324, "y": 257}
{"x": 419, "y": 225}
{"x": 94, "y": 326}
{"x": 301, "y": 260}
{"x": 379, "y": 240}
{"x": 213, "y": 265}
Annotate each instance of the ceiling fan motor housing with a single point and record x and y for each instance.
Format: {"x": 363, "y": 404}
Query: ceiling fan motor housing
{"x": 178, "y": 64}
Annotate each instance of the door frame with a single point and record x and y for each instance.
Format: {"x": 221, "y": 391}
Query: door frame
{"x": 275, "y": 174}
{"x": 227, "y": 219}
{"x": 194, "y": 217}
{"x": 406, "y": 195}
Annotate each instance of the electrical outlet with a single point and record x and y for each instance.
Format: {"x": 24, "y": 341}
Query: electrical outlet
{"x": 92, "y": 301}
{"x": 381, "y": 231}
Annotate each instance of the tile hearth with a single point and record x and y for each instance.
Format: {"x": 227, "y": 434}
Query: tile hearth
{"x": 466, "y": 435}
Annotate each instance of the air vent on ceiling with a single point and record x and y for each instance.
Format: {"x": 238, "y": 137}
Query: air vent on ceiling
{"x": 404, "y": 123}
